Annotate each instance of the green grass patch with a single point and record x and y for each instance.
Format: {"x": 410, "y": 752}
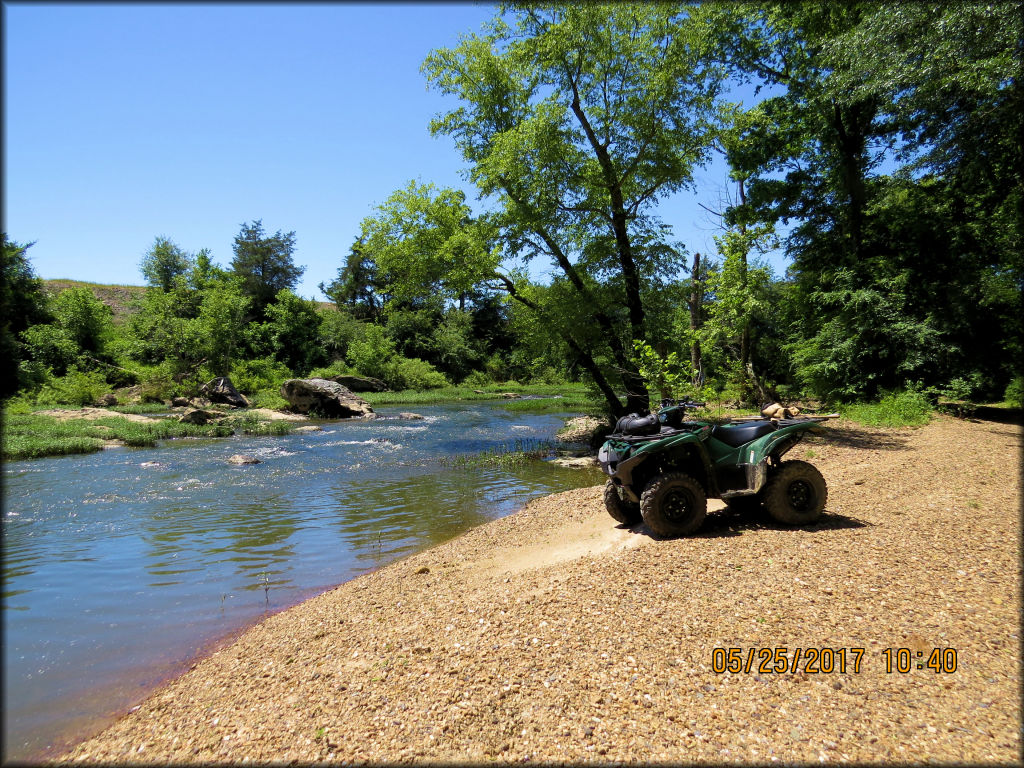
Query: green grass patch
{"x": 573, "y": 394}
{"x": 251, "y": 424}
{"x": 31, "y": 436}
{"x": 894, "y": 409}
{"x": 516, "y": 455}
{"x": 141, "y": 408}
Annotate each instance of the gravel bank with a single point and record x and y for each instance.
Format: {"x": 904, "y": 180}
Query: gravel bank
{"x": 553, "y": 635}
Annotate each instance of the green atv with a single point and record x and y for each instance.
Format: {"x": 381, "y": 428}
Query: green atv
{"x": 663, "y": 469}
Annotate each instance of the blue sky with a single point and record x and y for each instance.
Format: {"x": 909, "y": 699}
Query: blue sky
{"x": 123, "y": 122}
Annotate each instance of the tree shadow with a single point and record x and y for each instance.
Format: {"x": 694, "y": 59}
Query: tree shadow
{"x": 852, "y": 437}
{"x": 726, "y": 522}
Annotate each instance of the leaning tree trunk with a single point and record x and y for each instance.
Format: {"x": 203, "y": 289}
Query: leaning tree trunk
{"x": 696, "y": 297}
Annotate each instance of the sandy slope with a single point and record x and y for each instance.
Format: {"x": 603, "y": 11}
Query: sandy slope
{"x": 555, "y": 635}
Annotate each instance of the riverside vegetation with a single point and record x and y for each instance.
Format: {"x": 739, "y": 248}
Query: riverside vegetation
{"x": 904, "y": 129}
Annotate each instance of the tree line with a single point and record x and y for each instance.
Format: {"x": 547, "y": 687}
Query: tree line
{"x": 885, "y": 163}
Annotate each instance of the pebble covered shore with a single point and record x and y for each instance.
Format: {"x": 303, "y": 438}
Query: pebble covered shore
{"x": 554, "y": 635}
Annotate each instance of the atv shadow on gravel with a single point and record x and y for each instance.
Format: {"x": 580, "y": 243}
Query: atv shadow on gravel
{"x": 726, "y": 522}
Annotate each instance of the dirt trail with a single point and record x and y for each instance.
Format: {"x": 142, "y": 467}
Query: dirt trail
{"x": 555, "y": 635}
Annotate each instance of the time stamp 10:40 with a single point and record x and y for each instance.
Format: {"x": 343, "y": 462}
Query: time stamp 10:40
{"x": 827, "y": 660}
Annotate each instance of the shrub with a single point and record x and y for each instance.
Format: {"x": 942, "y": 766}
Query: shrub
{"x": 74, "y": 388}
{"x": 373, "y": 354}
{"x": 337, "y": 368}
{"x": 412, "y": 373}
{"x": 268, "y": 398}
{"x": 477, "y": 379}
{"x": 1014, "y": 394}
{"x": 252, "y": 376}
{"x": 961, "y": 388}
{"x": 895, "y": 409}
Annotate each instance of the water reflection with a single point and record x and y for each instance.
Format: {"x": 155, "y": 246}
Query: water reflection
{"x": 119, "y": 565}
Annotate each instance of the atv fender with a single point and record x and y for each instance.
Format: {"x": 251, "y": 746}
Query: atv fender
{"x": 687, "y": 443}
{"x": 777, "y": 443}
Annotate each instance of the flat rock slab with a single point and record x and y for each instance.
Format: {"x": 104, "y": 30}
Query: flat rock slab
{"x": 91, "y": 414}
{"x": 575, "y": 462}
{"x": 272, "y": 415}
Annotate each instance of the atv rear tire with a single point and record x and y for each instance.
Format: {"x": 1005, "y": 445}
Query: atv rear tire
{"x": 625, "y": 512}
{"x": 795, "y": 493}
{"x": 673, "y": 504}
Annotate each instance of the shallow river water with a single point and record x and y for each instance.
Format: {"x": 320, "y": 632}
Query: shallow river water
{"x": 120, "y": 567}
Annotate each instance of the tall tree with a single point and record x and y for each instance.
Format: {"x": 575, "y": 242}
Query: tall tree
{"x": 357, "y": 287}
{"x": 264, "y": 264}
{"x": 164, "y": 262}
{"x": 576, "y": 120}
{"x": 23, "y": 303}
{"x": 811, "y": 155}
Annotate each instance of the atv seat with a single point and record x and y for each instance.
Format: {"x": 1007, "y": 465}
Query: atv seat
{"x": 735, "y": 435}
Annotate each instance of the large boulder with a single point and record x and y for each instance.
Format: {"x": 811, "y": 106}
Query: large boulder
{"x": 221, "y": 390}
{"x": 324, "y": 398}
{"x": 360, "y": 383}
{"x": 199, "y": 416}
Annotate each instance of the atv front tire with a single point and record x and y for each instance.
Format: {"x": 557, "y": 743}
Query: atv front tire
{"x": 795, "y": 493}
{"x": 625, "y": 512}
{"x": 673, "y": 504}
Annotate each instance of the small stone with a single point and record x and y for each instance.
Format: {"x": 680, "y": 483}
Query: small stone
{"x": 423, "y": 569}
{"x": 239, "y": 458}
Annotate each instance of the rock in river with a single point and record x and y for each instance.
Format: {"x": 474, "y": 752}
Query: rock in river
{"x": 221, "y": 390}
{"x": 239, "y": 458}
{"x": 325, "y": 398}
{"x": 199, "y": 416}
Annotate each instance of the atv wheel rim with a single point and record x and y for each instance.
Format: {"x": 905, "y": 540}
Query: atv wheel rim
{"x": 801, "y": 495}
{"x": 677, "y": 506}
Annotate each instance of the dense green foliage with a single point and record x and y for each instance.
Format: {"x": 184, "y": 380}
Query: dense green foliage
{"x": 885, "y": 160}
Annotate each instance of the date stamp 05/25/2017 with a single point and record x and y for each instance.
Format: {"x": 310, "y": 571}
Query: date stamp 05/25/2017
{"x": 827, "y": 661}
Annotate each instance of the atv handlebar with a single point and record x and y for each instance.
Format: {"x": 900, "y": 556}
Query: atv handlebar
{"x": 667, "y": 402}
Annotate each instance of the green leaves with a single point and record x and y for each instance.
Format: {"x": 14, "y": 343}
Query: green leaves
{"x": 424, "y": 242}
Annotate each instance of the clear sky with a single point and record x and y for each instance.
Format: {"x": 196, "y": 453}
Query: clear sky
{"x": 123, "y": 122}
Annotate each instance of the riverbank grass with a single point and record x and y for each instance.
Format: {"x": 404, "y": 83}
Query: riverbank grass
{"x": 541, "y": 398}
{"x": 31, "y": 436}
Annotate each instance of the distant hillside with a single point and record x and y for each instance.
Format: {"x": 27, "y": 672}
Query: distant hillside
{"x": 119, "y": 298}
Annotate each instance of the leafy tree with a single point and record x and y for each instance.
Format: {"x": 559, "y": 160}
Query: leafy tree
{"x": 85, "y": 319}
{"x": 295, "y": 331}
{"x": 218, "y": 329}
{"x": 204, "y": 273}
{"x": 371, "y": 354}
{"x": 576, "y": 119}
{"x": 264, "y": 265}
{"x": 875, "y": 256}
{"x": 337, "y": 330}
{"x": 164, "y": 262}
{"x": 425, "y": 243}
{"x": 23, "y": 303}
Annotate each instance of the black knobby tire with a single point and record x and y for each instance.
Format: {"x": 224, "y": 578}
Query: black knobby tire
{"x": 673, "y": 504}
{"x": 795, "y": 493}
{"x": 625, "y": 512}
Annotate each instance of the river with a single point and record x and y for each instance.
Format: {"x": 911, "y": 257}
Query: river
{"x": 122, "y": 566}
